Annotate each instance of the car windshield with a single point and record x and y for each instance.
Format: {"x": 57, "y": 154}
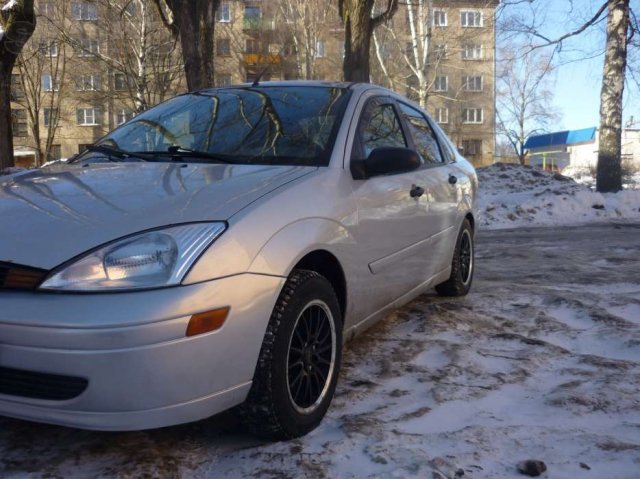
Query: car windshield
{"x": 275, "y": 125}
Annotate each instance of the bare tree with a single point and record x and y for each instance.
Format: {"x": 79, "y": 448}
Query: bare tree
{"x": 41, "y": 68}
{"x": 609, "y": 171}
{"x": 193, "y": 22}
{"x": 525, "y": 99}
{"x": 411, "y": 55}
{"x": 621, "y": 24}
{"x": 414, "y": 48}
{"x": 359, "y": 26}
{"x": 306, "y": 23}
{"x": 17, "y": 24}
{"x": 142, "y": 57}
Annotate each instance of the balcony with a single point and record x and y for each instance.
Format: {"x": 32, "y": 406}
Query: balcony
{"x": 251, "y": 59}
{"x": 258, "y": 23}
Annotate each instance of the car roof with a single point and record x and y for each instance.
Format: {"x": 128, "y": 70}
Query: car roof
{"x": 302, "y": 83}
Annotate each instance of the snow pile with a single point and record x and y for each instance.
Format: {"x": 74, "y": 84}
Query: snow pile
{"x": 520, "y": 196}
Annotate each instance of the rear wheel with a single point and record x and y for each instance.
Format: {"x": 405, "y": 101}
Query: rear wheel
{"x": 462, "y": 265}
{"x": 298, "y": 367}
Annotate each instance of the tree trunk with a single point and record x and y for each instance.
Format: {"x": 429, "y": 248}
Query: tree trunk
{"x": 193, "y": 21}
{"x": 358, "y": 31}
{"x": 197, "y": 39}
{"x": 6, "y": 127}
{"x": 609, "y": 172}
{"x": 19, "y": 22}
{"x": 359, "y": 26}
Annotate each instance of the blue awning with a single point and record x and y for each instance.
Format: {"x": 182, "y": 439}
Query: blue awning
{"x": 568, "y": 137}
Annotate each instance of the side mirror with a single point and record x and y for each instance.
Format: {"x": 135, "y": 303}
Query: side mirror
{"x": 385, "y": 161}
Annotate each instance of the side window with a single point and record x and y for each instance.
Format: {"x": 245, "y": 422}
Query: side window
{"x": 380, "y": 127}
{"x": 423, "y": 136}
{"x": 448, "y": 149}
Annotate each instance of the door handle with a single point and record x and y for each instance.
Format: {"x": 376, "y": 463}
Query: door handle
{"x": 453, "y": 179}
{"x": 416, "y": 191}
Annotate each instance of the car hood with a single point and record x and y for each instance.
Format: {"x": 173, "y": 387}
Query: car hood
{"x": 51, "y": 215}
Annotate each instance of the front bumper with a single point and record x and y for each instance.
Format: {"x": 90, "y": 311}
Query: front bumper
{"x": 142, "y": 371}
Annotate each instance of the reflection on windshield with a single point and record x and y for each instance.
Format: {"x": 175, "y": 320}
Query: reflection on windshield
{"x": 262, "y": 125}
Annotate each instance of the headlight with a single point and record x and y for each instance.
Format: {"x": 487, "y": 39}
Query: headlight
{"x": 158, "y": 258}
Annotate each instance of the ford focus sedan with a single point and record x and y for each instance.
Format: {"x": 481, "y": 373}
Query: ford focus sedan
{"x": 217, "y": 250}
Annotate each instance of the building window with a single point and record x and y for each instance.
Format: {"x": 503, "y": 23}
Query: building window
{"x": 252, "y": 16}
{"x": 442, "y": 115}
{"x": 251, "y": 46}
{"x": 46, "y": 9}
{"x": 252, "y": 12}
{"x": 19, "y": 122}
{"x": 224, "y": 12}
{"x": 471, "y": 18}
{"x": 472, "y": 147}
{"x": 223, "y": 47}
{"x": 123, "y": 116}
{"x": 55, "y": 153}
{"x": 440, "y": 50}
{"x": 472, "y": 84}
{"x": 472, "y": 115}
{"x": 439, "y": 18}
{"x": 441, "y": 83}
{"x": 472, "y": 52}
{"x": 320, "y": 50}
{"x": 87, "y": 116}
{"x": 50, "y": 83}
{"x": 84, "y": 11}
{"x": 17, "y": 93}
{"x": 223, "y": 79}
{"x": 119, "y": 82}
{"x": 50, "y": 117}
{"x": 88, "y": 47}
{"x": 49, "y": 48}
{"x": 88, "y": 83}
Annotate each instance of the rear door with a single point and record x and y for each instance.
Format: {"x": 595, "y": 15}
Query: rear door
{"x": 440, "y": 201}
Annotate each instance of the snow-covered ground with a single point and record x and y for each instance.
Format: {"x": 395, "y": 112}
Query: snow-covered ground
{"x": 514, "y": 196}
{"x": 540, "y": 361}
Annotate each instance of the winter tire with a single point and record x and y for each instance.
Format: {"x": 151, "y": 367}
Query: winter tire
{"x": 462, "y": 265}
{"x": 298, "y": 366}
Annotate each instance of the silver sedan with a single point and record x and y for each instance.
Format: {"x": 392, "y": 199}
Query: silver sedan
{"x": 216, "y": 251}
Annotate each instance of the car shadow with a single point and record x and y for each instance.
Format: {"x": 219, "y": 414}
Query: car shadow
{"x": 29, "y": 449}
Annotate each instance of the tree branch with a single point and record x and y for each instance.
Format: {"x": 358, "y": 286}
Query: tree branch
{"x": 392, "y": 6}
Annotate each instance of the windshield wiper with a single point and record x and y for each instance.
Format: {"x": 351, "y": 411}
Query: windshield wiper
{"x": 116, "y": 152}
{"x": 176, "y": 151}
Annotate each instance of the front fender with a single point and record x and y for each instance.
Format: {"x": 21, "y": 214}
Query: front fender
{"x": 290, "y": 244}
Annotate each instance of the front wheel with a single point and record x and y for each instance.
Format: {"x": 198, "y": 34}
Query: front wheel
{"x": 462, "y": 265}
{"x": 298, "y": 367}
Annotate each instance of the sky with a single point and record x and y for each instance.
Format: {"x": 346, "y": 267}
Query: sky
{"x": 578, "y": 81}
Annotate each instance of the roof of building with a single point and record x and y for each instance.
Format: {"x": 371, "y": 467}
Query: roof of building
{"x": 568, "y": 137}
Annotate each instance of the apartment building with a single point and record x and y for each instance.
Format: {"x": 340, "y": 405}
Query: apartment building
{"x": 443, "y": 56}
{"x": 90, "y": 70}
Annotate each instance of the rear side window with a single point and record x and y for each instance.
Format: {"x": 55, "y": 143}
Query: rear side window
{"x": 423, "y": 136}
{"x": 380, "y": 127}
{"x": 448, "y": 149}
